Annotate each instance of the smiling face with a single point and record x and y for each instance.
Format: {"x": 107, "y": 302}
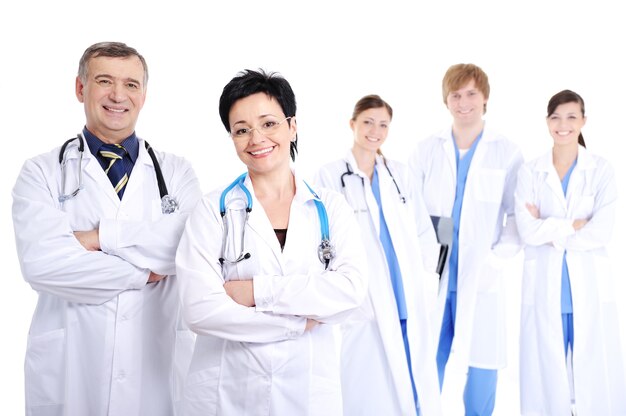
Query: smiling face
{"x": 370, "y": 128}
{"x": 113, "y": 93}
{"x": 565, "y": 124}
{"x": 262, "y": 153}
{"x": 466, "y": 105}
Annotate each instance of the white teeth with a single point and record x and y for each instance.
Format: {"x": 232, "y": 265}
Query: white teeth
{"x": 262, "y": 151}
{"x": 562, "y": 133}
{"x": 115, "y": 110}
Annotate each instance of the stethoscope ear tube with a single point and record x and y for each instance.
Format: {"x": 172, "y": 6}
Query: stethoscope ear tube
{"x": 237, "y": 182}
{"x": 168, "y": 204}
{"x": 157, "y": 168}
{"x": 81, "y": 146}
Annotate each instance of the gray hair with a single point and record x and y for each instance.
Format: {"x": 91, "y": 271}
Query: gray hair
{"x": 110, "y": 50}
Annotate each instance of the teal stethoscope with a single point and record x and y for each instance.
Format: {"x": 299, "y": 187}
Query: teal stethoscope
{"x": 168, "y": 204}
{"x": 325, "y": 251}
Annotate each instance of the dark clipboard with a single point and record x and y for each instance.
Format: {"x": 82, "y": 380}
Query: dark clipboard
{"x": 443, "y": 229}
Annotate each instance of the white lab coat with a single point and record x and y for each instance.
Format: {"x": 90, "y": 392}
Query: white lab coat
{"x": 259, "y": 360}
{"x": 102, "y": 341}
{"x": 375, "y": 376}
{"x": 598, "y": 366}
{"x": 484, "y": 242}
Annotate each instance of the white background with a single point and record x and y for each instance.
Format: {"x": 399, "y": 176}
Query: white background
{"x": 332, "y": 53}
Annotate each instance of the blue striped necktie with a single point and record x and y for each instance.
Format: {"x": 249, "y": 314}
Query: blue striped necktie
{"x": 114, "y": 153}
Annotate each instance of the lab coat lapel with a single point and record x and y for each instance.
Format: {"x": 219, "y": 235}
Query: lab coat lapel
{"x": 480, "y": 153}
{"x": 580, "y": 178}
{"x": 92, "y": 170}
{"x": 448, "y": 146}
{"x": 387, "y": 192}
{"x": 136, "y": 185}
{"x": 299, "y": 232}
{"x": 552, "y": 179}
{"x": 360, "y": 180}
{"x": 445, "y": 172}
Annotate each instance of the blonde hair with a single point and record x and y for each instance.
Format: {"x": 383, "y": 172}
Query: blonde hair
{"x": 457, "y": 76}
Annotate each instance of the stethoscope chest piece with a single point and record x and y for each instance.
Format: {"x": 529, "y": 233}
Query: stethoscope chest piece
{"x": 325, "y": 252}
{"x": 168, "y": 204}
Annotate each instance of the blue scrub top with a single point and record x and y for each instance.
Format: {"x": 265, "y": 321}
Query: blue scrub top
{"x": 462, "y": 169}
{"x": 390, "y": 253}
{"x": 566, "y": 289}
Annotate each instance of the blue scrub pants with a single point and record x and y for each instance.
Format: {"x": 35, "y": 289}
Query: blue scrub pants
{"x": 479, "y": 395}
{"x": 405, "y": 337}
{"x": 568, "y": 331}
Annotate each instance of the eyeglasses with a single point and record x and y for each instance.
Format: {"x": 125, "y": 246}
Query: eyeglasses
{"x": 268, "y": 128}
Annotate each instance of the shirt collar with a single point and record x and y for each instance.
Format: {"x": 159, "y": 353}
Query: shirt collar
{"x": 131, "y": 144}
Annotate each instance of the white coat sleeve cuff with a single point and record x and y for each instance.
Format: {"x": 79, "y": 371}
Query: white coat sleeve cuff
{"x": 264, "y": 301}
{"x": 297, "y": 329}
{"x": 263, "y": 293}
{"x": 108, "y": 235}
{"x": 142, "y": 280}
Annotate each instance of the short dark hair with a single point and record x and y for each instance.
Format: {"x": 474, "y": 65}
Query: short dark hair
{"x": 564, "y": 97}
{"x": 109, "y": 50}
{"x": 249, "y": 82}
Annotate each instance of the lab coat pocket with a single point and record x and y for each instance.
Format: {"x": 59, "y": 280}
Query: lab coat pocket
{"x": 201, "y": 392}
{"x": 489, "y": 185}
{"x": 45, "y": 369}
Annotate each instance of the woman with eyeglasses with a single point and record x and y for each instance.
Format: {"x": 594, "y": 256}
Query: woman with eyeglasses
{"x": 570, "y": 352}
{"x": 387, "y": 358}
{"x": 266, "y": 265}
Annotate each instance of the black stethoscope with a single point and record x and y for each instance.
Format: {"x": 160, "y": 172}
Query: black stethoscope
{"x": 168, "y": 204}
{"x": 325, "y": 251}
{"x": 350, "y": 172}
